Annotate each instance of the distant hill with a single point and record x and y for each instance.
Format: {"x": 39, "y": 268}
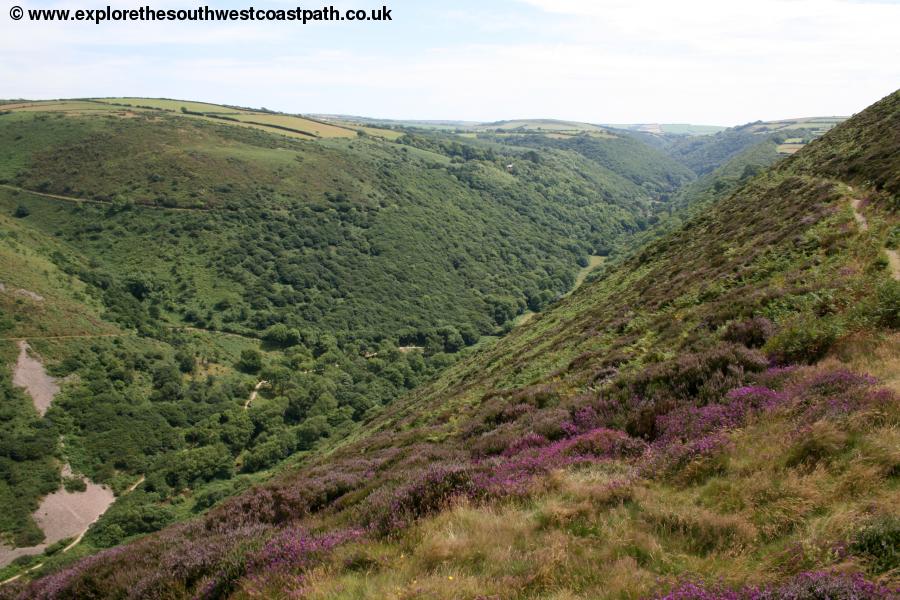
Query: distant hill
{"x": 671, "y": 128}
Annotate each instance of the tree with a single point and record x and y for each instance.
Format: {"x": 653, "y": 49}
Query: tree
{"x": 235, "y": 429}
{"x": 21, "y": 211}
{"x": 282, "y": 335}
{"x": 310, "y": 431}
{"x": 250, "y": 361}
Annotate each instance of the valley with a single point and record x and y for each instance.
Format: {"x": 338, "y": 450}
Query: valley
{"x": 340, "y": 358}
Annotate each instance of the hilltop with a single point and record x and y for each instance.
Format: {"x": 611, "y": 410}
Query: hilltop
{"x": 717, "y": 411}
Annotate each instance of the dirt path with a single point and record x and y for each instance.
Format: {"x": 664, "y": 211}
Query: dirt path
{"x": 254, "y": 393}
{"x": 134, "y": 485}
{"x": 856, "y": 203}
{"x": 894, "y": 262}
{"x": 29, "y": 373}
{"x": 892, "y": 255}
{"x": 75, "y": 200}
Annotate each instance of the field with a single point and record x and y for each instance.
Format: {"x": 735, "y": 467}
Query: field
{"x": 789, "y": 148}
{"x": 293, "y": 126}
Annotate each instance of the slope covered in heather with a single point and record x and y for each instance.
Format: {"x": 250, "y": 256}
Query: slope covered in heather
{"x": 717, "y": 412}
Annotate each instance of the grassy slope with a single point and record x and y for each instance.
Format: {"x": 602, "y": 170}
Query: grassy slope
{"x": 799, "y": 485}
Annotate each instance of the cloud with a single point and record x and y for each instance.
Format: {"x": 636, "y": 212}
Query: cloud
{"x": 601, "y": 61}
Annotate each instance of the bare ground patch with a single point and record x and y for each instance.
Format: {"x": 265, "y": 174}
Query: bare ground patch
{"x": 29, "y": 373}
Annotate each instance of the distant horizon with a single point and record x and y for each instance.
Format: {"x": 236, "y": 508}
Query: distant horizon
{"x": 324, "y": 114}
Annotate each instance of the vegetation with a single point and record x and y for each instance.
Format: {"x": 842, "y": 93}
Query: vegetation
{"x": 28, "y": 470}
{"x": 340, "y": 270}
{"x": 672, "y": 428}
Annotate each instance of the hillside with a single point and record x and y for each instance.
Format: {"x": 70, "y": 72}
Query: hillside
{"x": 162, "y": 263}
{"x": 670, "y": 128}
{"x": 718, "y": 412}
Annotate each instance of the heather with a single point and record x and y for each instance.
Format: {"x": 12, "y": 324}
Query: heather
{"x": 804, "y": 586}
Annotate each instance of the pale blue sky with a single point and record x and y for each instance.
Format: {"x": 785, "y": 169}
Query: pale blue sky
{"x": 701, "y": 61}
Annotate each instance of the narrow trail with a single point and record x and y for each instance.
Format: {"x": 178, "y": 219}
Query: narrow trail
{"x": 892, "y": 255}
{"x": 134, "y": 485}
{"x": 74, "y": 200}
{"x": 254, "y": 393}
{"x": 856, "y": 203}
{"x": 894, "y": 262}
{"x": 214, "y": 331}
{"x": 25, "y": 338}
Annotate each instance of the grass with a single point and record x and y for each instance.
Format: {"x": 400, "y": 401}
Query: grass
{"x": 62, "y": 305}
{"x": 593, "y": 263}
{"x": 173, "y": 105}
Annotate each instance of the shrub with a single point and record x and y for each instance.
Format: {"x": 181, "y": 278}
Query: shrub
{"x": 526, "y": 442}
{"x": 21, "y": 211}
{"x": 427, "y": 494}
{"x": 57, "y": 546}
{"x": 752, "y": 333}
{"x": 281, "y": 335}
{"x": 879, "y": 543}
{"x": 608, "y": 443}
{"x": 887, "y": 304}
{"x": 127, "y": 520}
{"x": 250, "y": 361}
{"x": 74, "y": 484}
{"x": 699, "y": 458}
{"x": 804, "y": 340}
{"x": 635, "y": 402}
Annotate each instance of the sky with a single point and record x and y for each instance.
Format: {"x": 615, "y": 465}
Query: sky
{"x": 722, "y": 62}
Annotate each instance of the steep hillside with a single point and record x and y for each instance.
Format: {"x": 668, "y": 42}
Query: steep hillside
{"x": 695, "y": 197}
{"x": 717, "y": 413}
{"x": 620, "y": 154}
{"x": 703, "y": 154}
